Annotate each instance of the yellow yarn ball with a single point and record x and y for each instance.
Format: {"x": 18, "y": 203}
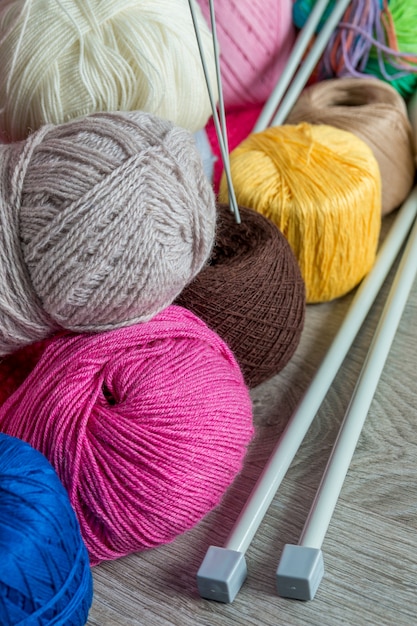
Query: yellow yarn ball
{"x": 64, "y": 59}
{"x": 322, "y": 187}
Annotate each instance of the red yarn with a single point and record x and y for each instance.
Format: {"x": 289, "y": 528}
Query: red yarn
{"x": 146, "y": 426}
{"x": 240, "y": 123}
{"x": 16, "y": 367}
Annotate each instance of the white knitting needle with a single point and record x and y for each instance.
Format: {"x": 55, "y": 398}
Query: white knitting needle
{"x": 224, "y": 570}
{"x": 220, "y": 127}
{"x": 307, "y": 66}
{"x": 301, "y": 568}
{"x": 300, "y": 46}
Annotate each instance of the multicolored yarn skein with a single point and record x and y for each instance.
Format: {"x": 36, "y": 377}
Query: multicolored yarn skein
{"x": 374, "y": 111}
{"x": 45, "y": 575}
{"x": 374, "y": 38}
{"x": 255, "y": 39}
{"x": 103, "y": 221}
{"x": 322, "y": 187}
{"x": 147, "y": 426}
{"x": 65, "y": 60}
{"x": 251, "y": 293}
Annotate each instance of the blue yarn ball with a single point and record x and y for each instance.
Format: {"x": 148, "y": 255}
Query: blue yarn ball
{"x": 45, "y": 575}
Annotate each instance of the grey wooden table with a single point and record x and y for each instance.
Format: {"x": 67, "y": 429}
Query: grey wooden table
{"x": 370, "y": 549}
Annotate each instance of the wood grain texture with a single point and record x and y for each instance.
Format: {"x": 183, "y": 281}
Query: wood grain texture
{"x": 370, "y": 549}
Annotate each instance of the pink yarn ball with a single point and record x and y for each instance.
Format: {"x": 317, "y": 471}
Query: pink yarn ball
{"x": 147, "y": 426}
{"x": 255, "y": 40}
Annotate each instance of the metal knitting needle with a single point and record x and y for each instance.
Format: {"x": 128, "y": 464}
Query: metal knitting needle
{"x": 222, "y": 123}
{"x": 218, "y": 75}
{"x": 301, "y": 567}
{"x": 300, "y": 46}
{"x": 219, "y": 126}
{"x": 308, "y": 65}
{"x": 224, "y": 569}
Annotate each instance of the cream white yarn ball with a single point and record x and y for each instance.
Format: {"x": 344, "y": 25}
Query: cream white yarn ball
{"x": 63, "y": 59}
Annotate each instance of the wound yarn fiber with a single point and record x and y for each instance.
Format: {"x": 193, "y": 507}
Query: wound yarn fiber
{"x": 251, "y": 293}
{"x": 64, "y": 59}
{"x": 374, "y": 111}
{"x": 103, "y": 221}
{"x": 322, "y": 187}
{"x": 45, "y": 575}
{"x": 147, "y": 426}
{"x": 255, "y": 40}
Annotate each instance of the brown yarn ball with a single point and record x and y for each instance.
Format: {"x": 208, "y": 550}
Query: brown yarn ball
{"x": 251, "y": 293}
{"x": 375, "y": 112}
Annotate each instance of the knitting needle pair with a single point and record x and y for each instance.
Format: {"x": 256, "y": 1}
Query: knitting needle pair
{"x": 301, "y": 567}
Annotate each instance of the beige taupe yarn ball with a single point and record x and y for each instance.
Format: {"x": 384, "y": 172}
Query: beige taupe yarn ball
{"x": 103, "y": 221}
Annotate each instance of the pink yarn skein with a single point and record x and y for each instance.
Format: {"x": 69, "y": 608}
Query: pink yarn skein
{"x": 146, "y": 425}
{"x": 255, "y": 40}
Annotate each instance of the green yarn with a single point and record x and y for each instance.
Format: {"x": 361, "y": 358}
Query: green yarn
{"x": 404, "y": 17}
{"x": 406, "y": 85}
